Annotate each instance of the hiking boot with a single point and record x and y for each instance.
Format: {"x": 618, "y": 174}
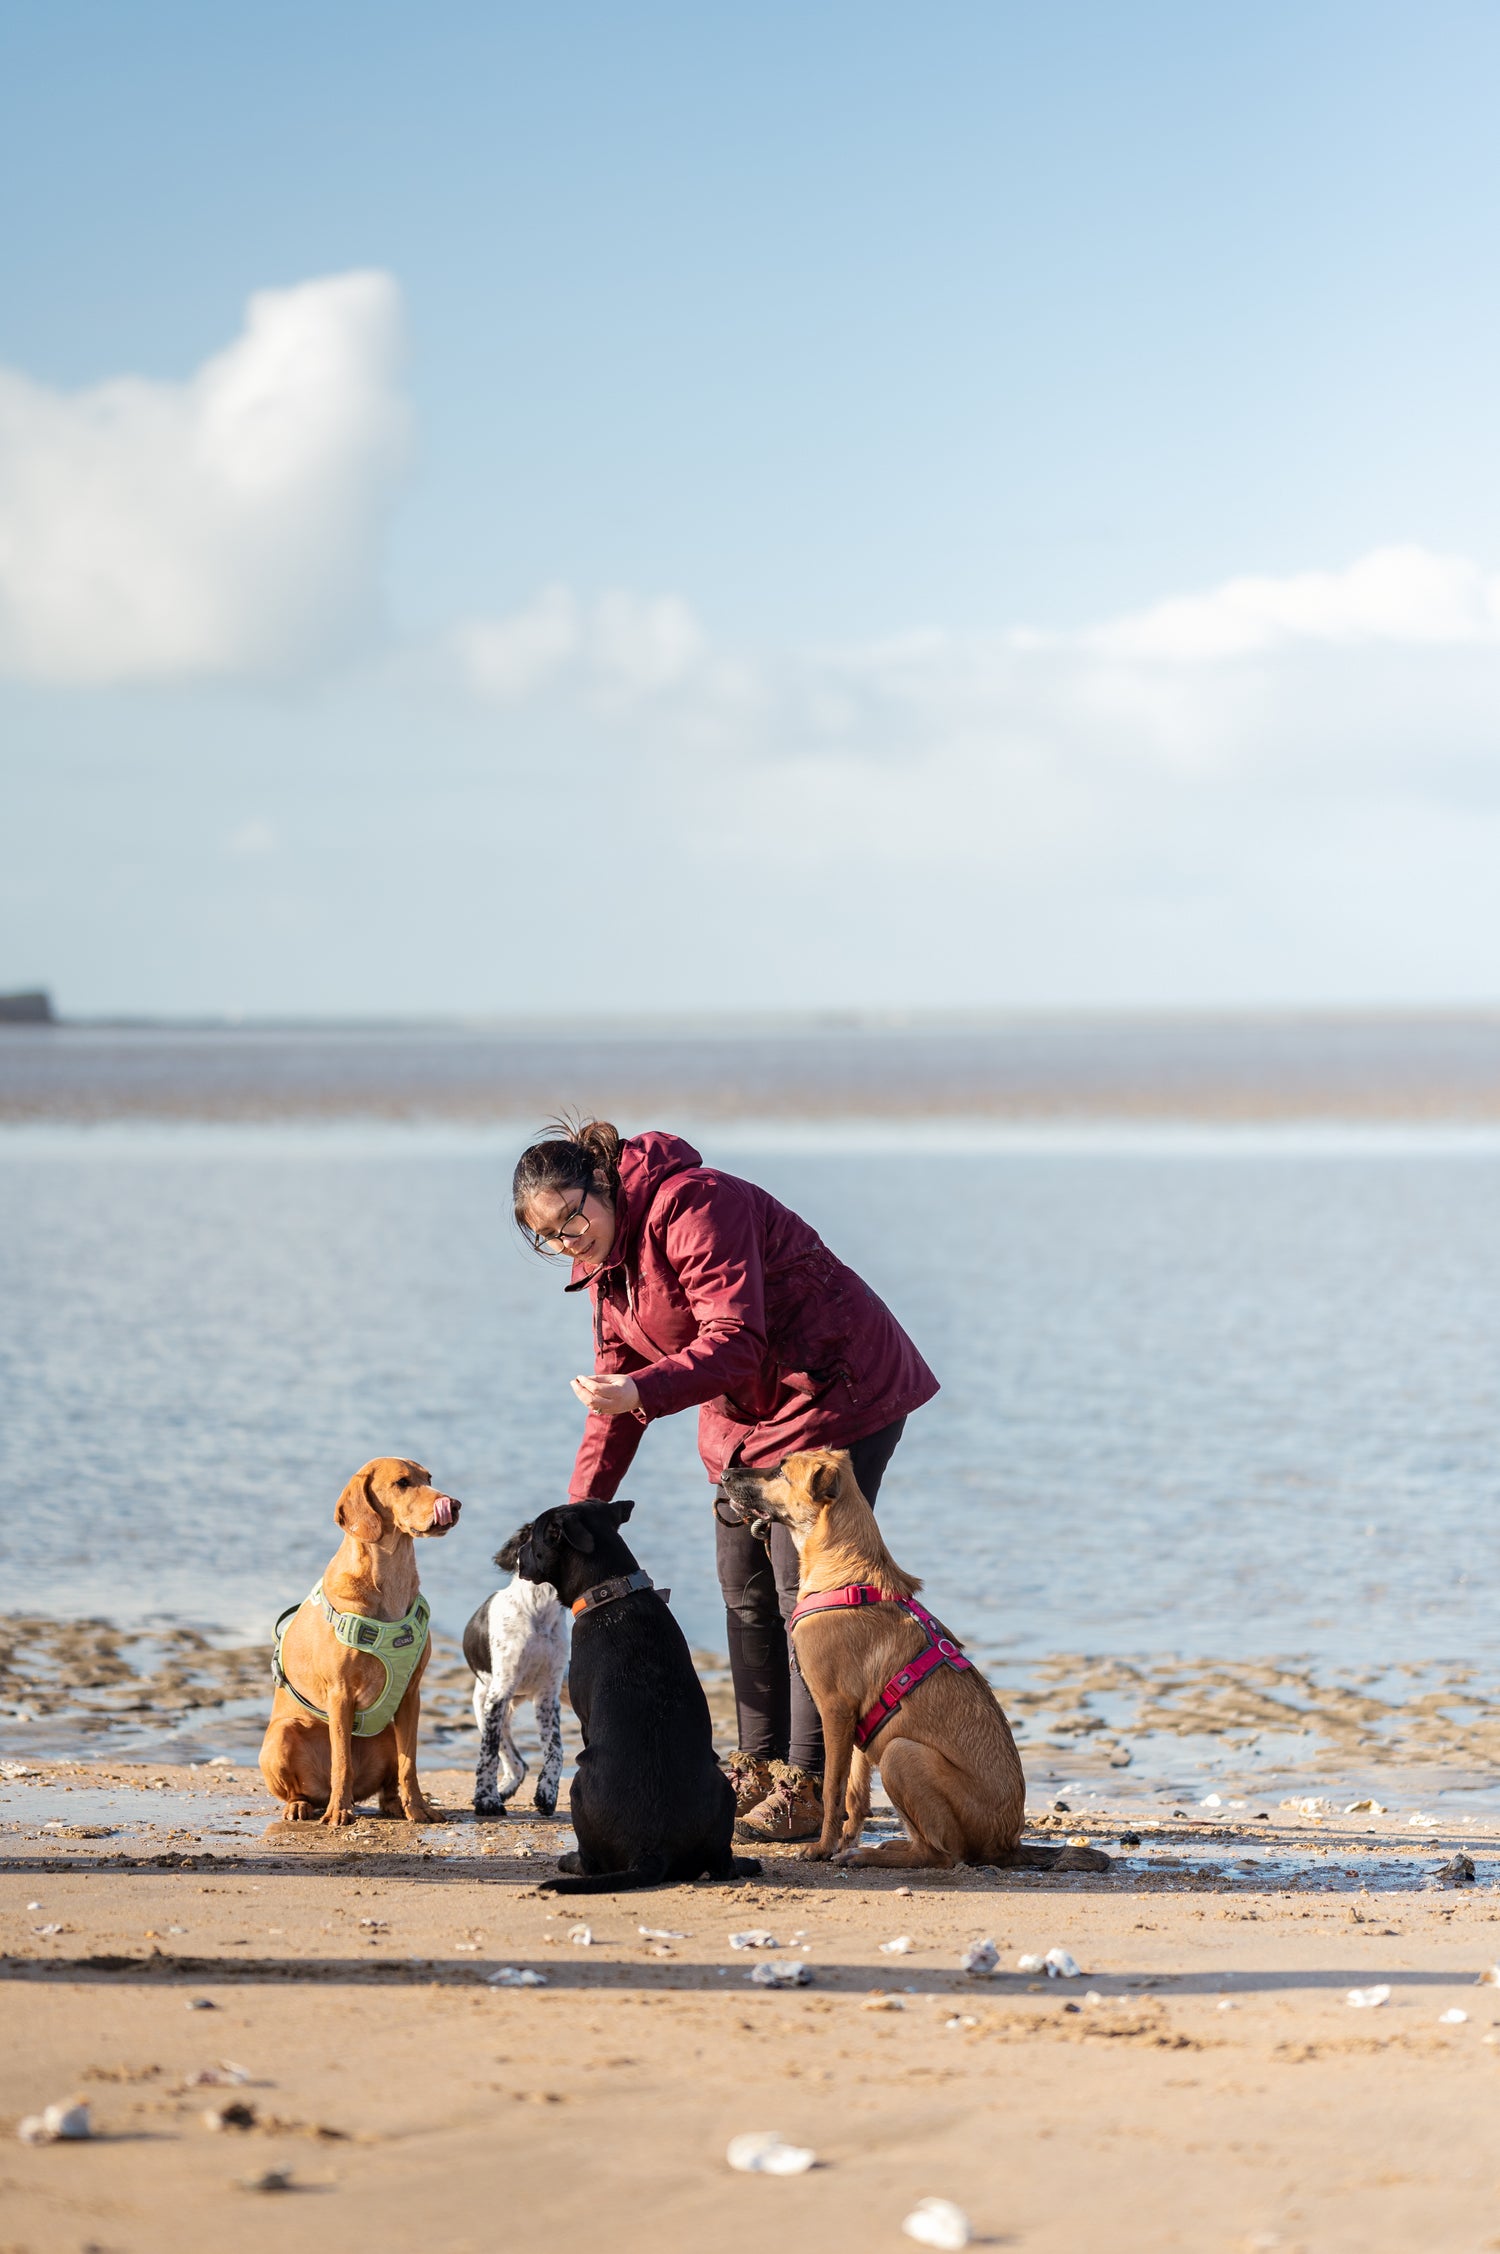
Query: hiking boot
{"x": 792, "y": 1809}
{"x": 752, "y": 1775}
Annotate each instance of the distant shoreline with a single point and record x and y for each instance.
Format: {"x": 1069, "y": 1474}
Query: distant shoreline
{"x": 1433, "y": 1068}
{"x": 729, "y": 1025}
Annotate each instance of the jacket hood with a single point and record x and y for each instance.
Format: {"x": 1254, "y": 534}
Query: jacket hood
{"x": 646, "y": 1161}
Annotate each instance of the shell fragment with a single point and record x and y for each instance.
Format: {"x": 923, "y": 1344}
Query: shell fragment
{"x": 765, "y": 2152}
{"x": 780, "y": 1976}
{"x": 58, "y": 2124}
{"x": 937, "y": 2222}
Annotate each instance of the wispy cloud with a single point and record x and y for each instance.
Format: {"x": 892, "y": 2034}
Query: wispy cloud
{"x": 621, "y": 646}
{"x": 228, "y": 524}
{"x": 1401, "y": 596}
{"x": 1387, "y": 664}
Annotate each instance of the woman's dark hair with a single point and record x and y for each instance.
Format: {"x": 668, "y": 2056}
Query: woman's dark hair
{"x": 572, "y": 1156}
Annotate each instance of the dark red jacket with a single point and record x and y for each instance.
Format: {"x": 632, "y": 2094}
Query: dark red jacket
{"x": 717, "y": 1297}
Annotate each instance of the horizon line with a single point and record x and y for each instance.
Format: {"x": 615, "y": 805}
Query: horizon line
{"x": 833, "y": 1019}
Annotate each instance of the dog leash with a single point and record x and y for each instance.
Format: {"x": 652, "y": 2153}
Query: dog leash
{"x": 943, "y": 1650}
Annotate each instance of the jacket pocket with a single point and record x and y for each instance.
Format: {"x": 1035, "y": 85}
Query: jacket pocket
{"x": 810, "y": 1334}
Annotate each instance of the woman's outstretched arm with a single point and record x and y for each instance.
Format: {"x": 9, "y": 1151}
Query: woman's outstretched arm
{"x": 607, "y": 1448}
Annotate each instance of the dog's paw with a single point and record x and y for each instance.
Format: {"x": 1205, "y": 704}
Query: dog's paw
{"x": 570, "y": 1864}
{"x": 489, "y": 1811}
{"x": 337, "y": 1816}
{"x": 419, "y": 1812}
{"x": 818, "y": 1853}
{"x": 546, "y": 1804}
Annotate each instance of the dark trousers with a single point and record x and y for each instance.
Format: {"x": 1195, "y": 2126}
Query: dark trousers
{"x": 759, "y": 1581}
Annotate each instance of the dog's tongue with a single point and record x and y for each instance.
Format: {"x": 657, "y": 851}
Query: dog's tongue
{"x": 443, "y": 1508}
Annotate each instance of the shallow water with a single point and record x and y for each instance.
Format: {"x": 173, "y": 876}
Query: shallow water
{"x": 1231, "y": 1400}
{"x": 1215, "y": 1395}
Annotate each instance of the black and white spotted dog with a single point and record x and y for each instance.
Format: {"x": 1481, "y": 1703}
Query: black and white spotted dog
{"x": 517, "y": 1645}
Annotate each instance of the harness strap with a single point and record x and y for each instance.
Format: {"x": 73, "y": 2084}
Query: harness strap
{"x": 607, "y": 1592}
{"x": 397, "y": 1644}
{"x": 853, "y": 1593}
{"x": 279, "y": 1673}
{"x": 942, "y": 1650}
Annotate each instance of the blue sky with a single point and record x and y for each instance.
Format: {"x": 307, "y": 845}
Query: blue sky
{"x": 781, "y": 437}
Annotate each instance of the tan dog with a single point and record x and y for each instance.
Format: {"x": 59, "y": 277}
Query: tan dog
{"x": 945, "y": 1752}
{"x": 314, "y": 1762}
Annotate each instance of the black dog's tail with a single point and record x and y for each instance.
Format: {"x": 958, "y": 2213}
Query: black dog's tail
{"x": 653, "y": 1873}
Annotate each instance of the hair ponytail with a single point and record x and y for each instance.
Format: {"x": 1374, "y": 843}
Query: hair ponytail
{"x": 571, "y": 1156}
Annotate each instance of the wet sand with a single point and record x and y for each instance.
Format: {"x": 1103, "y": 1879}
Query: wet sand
{"x": 1203, "y": 2083}
{"x": 1133, "y": 1730}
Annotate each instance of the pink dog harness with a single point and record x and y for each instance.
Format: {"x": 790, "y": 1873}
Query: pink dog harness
{"x": 942, "y": 1649}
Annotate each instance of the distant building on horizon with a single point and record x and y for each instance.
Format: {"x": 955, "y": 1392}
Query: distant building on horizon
{"x": 33, "y": 1008}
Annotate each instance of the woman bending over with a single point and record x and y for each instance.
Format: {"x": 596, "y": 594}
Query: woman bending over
{"x": 709, "y": 1294}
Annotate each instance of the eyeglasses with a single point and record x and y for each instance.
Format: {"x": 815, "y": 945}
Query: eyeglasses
{"x": 572, "y": 1229}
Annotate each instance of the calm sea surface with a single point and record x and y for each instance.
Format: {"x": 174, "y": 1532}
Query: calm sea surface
{"x": 1206, "y": 1391}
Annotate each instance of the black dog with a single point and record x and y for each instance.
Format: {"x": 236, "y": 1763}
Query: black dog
{"x": 650, "y": 1803}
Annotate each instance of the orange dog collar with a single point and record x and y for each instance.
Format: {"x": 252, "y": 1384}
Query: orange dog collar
{"x": 605, "y": 1592}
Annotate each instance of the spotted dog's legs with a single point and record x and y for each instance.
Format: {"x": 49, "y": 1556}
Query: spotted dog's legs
{"x": 517, "y": 1645}
{"x": 549, "y": 1722}
{"x": 501, "y": 1768}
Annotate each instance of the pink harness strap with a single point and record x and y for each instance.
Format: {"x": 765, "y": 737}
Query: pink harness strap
{"x": 942, "y": 1649}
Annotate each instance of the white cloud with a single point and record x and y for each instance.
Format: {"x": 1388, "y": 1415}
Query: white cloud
{"x": 1063, "y": 759}
{"x": 621, "y": 647}
{"x": 226, "y": 525}
{"x": 1142, "y": 685}
{"x": 509, "y": 659}
{"x": 1397, "y": 595}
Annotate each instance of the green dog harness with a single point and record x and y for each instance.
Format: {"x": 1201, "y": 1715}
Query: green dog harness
{"x": 397, "y": 1644}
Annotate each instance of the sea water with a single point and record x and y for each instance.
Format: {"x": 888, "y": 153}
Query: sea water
{"x": 1204, "y": 1390}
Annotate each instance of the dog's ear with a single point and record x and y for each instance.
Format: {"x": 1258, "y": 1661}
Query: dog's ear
{"x": 357, "y": 1513}
{"x": 575, "y": 1529}
{"x": 508, "y": 1557}
{"x": 622, "y": 1511}
{"x": 825, "y": 1481}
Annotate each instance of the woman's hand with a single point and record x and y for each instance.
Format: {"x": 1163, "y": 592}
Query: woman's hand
{"x": 607, "y": 1396}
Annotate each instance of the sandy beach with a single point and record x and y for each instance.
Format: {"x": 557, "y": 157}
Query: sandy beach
{"x": 1236, "y": 1606}
{"x": 1203, "y": 2081}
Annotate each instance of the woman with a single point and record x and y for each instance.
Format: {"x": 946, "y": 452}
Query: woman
{"x": 707, "y": 1293}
